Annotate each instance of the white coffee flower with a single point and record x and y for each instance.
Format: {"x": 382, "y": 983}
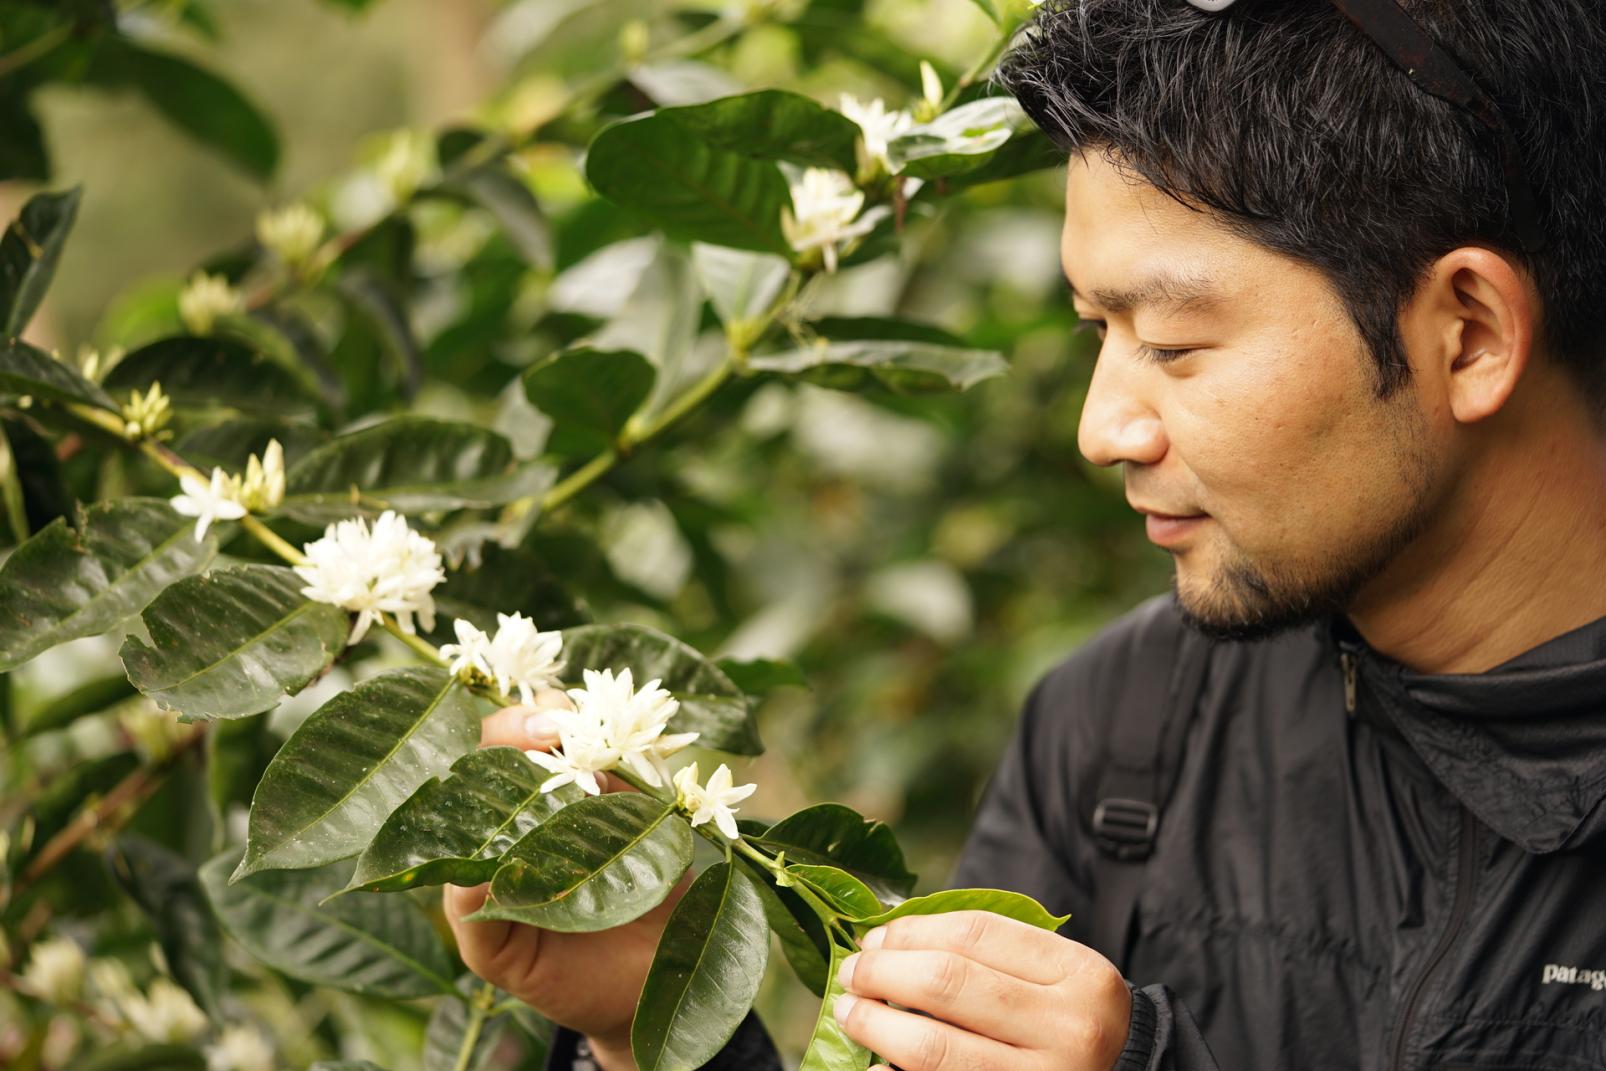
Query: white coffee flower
{"x": 406, "y": 163}
{"x": 146, "y": 415}
{"x": 55, "y": 970}
{"x": 263, "y": 488}
{"x": 216, "y": 501}
{"x": 293, "y": 233}
{"x": 824, "y": 211}
{"x": 634, "y": 721}
{"x": 711, "y": 802}
{"x": 521, "y": 656}
{"x": 877, "y": 126}
{"x": 388, "y": 569}
{"x": 471, "y": 654}
{"x": 240, "y": 1048}
{"x": 165, "y": 1013}
{"x": 205, "y": 299}
{"x": 585, "y": 752}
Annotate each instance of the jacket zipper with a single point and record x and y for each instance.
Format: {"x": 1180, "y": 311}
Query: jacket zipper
{"x": 1466, "y": 863}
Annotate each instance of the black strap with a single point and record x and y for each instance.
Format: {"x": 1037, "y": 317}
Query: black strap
{"x": 1143, "y": 754}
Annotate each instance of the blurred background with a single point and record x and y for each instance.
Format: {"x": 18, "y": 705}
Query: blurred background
{"x": 922, "y": 559}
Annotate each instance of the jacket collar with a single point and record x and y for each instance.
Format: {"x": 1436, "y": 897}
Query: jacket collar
{"x": 1522, "y": 745}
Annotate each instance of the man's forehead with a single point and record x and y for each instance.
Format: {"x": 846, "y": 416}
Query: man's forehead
{"x": 1171, "y": 288}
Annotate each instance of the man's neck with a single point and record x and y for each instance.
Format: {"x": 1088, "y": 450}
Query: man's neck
{"x": 1518, "y": 558}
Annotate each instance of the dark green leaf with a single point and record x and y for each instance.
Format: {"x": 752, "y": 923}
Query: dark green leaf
{"x": 231, "y": 443}
{"x": 504, "y": 582}
{"x": 772, "y": 124}
{"x": 23, "y": 156}
{"x": 705, "y": 974}
{"x": 844, "y": 892}
{"x": 28, "y": 255}
{"x": 1029, "y": 150}
{"x": 164, "y": 885}
{"x": 233, "y": 642}
{"x": 412, "y": 465}
{"x": 333, "y": 783}
{"x": 450, "y": 1022}
{"x": 902, "y": 367}
{"x": 710, "y": 703}
{"x": 457, "y": 830}
{"x": 830, "y": 1048}
{"x": 687, "y": 187}
{"x": 66, "y": 583}
{"x": 598, "y": 863}
{"x": 372, "y": 298}
{"x": 589, "y": 394}
{"x": 383, "y": 946}
{"x": 134, "y": 1057}
{"x": 25, "y": 369}
{"x": 1010, "y": 904}
{"x": 760, "y": 675}
{"x": 802, "y": 935}
{"x": 86, "y": 699}
{"x": 838, "y": 836}
{"x": 202, "y": 372}
{"x": 505, "y": 196}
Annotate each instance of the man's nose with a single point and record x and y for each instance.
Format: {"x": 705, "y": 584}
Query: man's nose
{"x": 1119, "y": 423}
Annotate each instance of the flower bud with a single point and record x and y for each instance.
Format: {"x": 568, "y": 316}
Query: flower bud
{"x": 293, "y": 233}
{"x": 206, "y": 298}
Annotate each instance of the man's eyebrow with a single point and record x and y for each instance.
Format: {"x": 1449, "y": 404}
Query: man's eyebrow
{"x": 1167, "y": 291}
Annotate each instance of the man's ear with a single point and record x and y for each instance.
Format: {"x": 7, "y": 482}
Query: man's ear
{"x": 1474, "y": 322}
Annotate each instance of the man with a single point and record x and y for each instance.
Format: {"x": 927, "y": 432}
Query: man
{"x": 1353, "y": 365}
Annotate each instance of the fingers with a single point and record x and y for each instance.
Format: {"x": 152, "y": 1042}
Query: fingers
{"x": 956, "y": 990}
{"x": 916, "y": 1043}
{"x": 532, "y": 728}
{"x": 1016, "y": 948}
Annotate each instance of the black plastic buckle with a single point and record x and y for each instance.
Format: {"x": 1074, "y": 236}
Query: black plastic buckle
{"x": 1125, "y": 828}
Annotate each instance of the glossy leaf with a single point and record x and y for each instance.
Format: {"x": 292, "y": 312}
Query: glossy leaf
{"x": 233, "y": 642}
{"x": 710, "y": 703}
{"x": 834, "y": 835}
{"x": 589, "y": 394}
{"x": 688, "y": 187}
{"x": 759, "y": 675}
{"x": 376, "y": 301}
{"x": 26, "y": 369}
{"x": 705, "y": 974}
{"x": 830, "y": 1048}
{"x": 904, "y": 367}
{"x": 457, "y": 830}
{"x": 231, "y": 443}
{"x": 203, "y": 372}
{"x": 598, "y": 863}
{"x": 506, "y": 197}
{"x": 29, "y": 253}
{"x": 741, "y": 285}
{"x": 504, "y": 581}
{"x": 773, "y": 124}
{"x": 844, "y": 892}
{"x": 801, "y": 933}
{"x": 1010, "y": 904}
{"x": 335, "y": 781}
{"x": 65, "y": 583}
{"x": 164, "y": 885}
{"x": 383, "y": 946}
{"x": 409, "y": 464}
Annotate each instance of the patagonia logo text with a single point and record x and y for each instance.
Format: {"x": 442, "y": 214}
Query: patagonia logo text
{"x": 1574, "y": 976}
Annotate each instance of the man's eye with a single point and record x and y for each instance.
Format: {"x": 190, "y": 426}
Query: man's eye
{"x": 1159, "y": 356}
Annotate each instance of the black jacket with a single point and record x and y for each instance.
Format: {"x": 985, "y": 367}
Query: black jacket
{"x": 1412, "y": 880}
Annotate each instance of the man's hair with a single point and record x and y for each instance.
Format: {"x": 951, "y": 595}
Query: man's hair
{"x": 1302, "y": 136}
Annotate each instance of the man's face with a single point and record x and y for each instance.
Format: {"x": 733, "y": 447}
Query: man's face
{"x": 1267, "y": 428}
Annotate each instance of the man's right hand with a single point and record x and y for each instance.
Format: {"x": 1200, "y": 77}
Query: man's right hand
{"x": 589, "y": 982}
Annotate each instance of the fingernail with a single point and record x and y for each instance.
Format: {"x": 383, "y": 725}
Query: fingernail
{"x": 540, "y": 723}
{"x": 844, "y": 973}
{"x": 874, "y": 938}
{"x": 843, "y": 1006}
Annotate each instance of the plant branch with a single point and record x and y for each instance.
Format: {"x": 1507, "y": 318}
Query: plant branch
{"x": 478, "y": 1010}
{"x": 43, "y": 45}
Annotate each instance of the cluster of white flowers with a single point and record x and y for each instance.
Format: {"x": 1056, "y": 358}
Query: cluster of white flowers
{"x": 612, "y": 724}
{"x": 292, "y": 233}
{"x": 824, "y": 212}
{"x": 387, "y": 569}
{"x": 877, "y": 126}
{"x": 145, "y": 416}
{"x": 206, "y": 298}
{"x": 164, "y": 1013}
{"x": 240, "y": 1048}
{"x": 519, "y": 655}
{"x": 55, "y": 970}
{"x": 711, "y": 802}
{"x": 229, "y": 498}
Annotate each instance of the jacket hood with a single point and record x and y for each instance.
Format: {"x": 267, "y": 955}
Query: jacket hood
{"x": 1522, "y": 745}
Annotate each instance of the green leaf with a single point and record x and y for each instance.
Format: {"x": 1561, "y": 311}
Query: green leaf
{"x": 844, "y": 892}
{"x": 66, "y": 583}
{"x": 710, "y": 703}
{"x": 958, "y": 140}
{"x": 347, "y": 1065}
{"x": 687, "y": 187}
{"x": 504, "y": 581}
{"x": 384, "y": 946}
{"x": 334, "y": 782}
{"x": 759, "y": 675}
{"x": 901, "y": 366}
{"x": 164, "y": 885}
{"x": 457, "y": 830}
{"x": 28, "y": 255}
{"x": 1029, "y": 150}
{"x": 834, "y": 835}
{"x": 773, "y": 124}
{"x": 802, "y": 935}
{"x": 987, "y": 9}
{"x": 830, "y": 1048}
{"x": 204, "y": 372}
{"x": 194, "y": 99}
{"x": 25, "y": 369}
{"x": 741, "y": 285}
{"x": 450, "y": 1022}
{"x": 1009, "y": 904}
{"x": 505, "y": 196}
{"x": 705, "y": 974}
{"x": 89, "y": 698}
{"x": 231, "y": 443}
{"x": 23, "y": 156}
{"x": 233, "y": 642}
{"x": 589, "y": 394}
{"x": 130, "y": 1057}
{"x": 237, "y": 754}
{"x": 376, "y": 301}
{"x": 412, "y": 465}
{"x": 598, "y": 863}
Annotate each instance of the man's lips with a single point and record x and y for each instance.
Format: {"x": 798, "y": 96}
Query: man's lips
{"x": 1167, "y": 529}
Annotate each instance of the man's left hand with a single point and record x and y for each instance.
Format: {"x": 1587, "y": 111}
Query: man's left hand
{"x": 1002, "y": 995}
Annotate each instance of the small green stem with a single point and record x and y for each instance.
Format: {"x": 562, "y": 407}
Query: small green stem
{"x": 479, "y": 1010}
{"x": 981, "y": 67}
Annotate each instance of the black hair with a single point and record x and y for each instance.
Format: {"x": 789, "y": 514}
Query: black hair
{"x": 1301, "y": 135}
